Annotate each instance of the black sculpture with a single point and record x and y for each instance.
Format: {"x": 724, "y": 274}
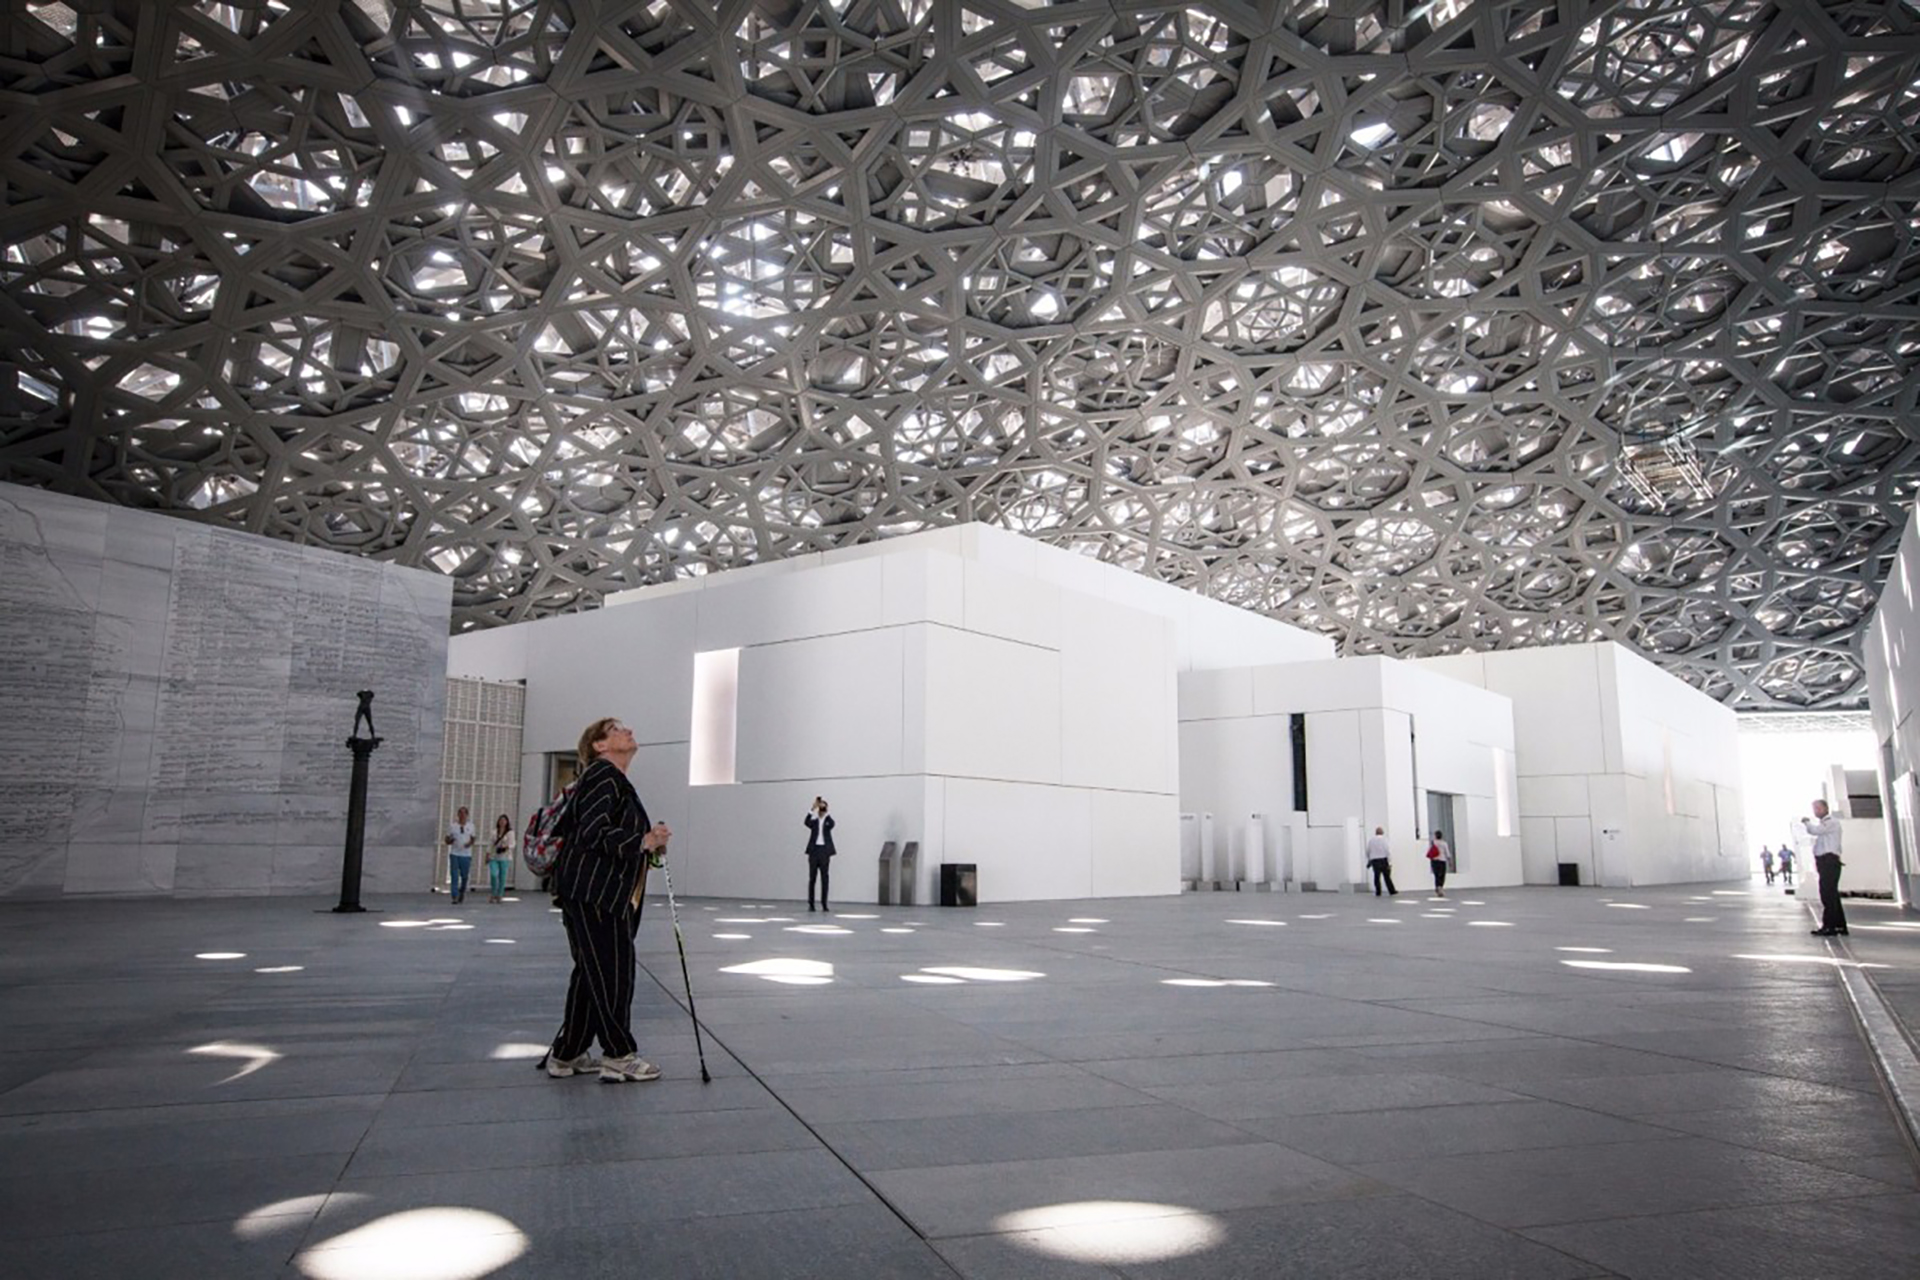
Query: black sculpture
{"x": 364, "y": 715}
{"x": 362, "y": 748}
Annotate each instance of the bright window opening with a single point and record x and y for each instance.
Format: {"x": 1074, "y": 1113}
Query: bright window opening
{"x": 1666, "y": 768}
{"x": 716, "y": 700}
{"x": 1504, "y": 787}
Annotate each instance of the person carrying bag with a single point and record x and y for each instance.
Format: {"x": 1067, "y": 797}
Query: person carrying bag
{"x": 1437, "y": 857}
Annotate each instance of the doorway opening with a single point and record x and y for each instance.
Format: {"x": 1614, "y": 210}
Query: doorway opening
{"x": 1441, "y": 812}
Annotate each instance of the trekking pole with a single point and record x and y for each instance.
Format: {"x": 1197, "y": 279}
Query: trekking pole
{"x": 673, "y": 909}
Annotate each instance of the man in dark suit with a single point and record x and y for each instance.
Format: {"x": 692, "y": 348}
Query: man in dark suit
{"x": 819, "y": 850}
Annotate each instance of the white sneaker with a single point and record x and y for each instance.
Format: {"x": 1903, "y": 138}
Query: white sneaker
{"x": 561, "y": 1068}
{"x": 631, "y": 1067}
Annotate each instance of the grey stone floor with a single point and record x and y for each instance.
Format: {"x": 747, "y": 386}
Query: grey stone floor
{"x": 1883, "y": 934}
{"x": 1212, "y": 1086}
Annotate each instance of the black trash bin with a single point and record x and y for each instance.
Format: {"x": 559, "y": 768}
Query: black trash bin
{"x": 1570, "y": 873}
{"x": 959, "y": 885}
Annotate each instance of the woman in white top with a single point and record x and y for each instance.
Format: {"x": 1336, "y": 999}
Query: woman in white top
{"x": 500, "y": 858}
{"x": 1437, "y": 855}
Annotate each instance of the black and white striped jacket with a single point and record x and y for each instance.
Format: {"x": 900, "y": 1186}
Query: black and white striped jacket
{"x": 600, "y": 856}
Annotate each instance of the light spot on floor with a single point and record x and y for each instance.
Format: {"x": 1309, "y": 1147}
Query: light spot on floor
{"x": 1626, "y": 966}
{"x": 1112, "y": 1232}
{"x": 440, "y": 1243}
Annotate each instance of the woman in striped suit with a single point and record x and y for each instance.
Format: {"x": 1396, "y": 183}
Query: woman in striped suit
{"x": 598, "y": 882}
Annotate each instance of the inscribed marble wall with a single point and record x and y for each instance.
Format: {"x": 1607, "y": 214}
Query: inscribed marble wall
{"x": 177, "y": 698}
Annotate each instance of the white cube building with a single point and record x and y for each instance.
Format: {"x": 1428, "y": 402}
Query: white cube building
{"x": 1387, "y": 744}
{"x": 1627, "y": 775}
{"x": 1000, "y": 702}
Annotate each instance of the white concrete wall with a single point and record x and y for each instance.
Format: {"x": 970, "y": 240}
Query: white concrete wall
{"x": 1208, "y": 635}
{"x": 1863, "y": 843}
{"x": 1380, "y": 734}
{"x": 1680, "y": 761}
{"x": 996, "y": 717}
{"x": 1234, "y": 764}
{"x": 1462, "y": 733}
{"x": 1892, "y": 652}
{"x": 1624, "y": 770}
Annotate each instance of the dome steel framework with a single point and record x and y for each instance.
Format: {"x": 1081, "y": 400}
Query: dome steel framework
{"x": 1431, "y": 326}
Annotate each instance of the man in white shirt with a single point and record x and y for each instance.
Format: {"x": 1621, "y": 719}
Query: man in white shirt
{"x": 1825, "y": 830}
{"x": 460, "y": 836}
{"x": 1378, "y": 860}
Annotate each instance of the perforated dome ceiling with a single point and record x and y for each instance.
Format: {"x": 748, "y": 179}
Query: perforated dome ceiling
{"x": 1430, "y": 326}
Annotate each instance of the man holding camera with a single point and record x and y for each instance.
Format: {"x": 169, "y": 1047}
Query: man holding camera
{"x": 819, "y": 850}
{"x": 1825, "y": 830}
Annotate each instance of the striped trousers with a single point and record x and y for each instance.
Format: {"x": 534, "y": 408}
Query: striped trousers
{"x": 600, "y": 992}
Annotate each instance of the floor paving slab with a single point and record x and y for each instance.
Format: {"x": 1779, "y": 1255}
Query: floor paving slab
{"x": 972, "y": 1199}
{"x": 1872, "y": 1238}
{"x": 1006, "y": 1091}
{"x": 589, "y": 1136}
{"x": 837, "y": 1242}
{"x": 556, "y": 1198}
{"x": 1343, "y": 1240}
{"x": 41, "y": 1204}
{"x": 1544, "y": 1186}
{"x": 874, "y": 1146}
{"x": 197, "y": 1251}
{"x": 1683, "y": 1091}
{"x": 1318, "y": 1095}
{"x": 1464, "y": 1129}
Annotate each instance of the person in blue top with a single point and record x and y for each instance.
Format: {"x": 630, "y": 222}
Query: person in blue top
{"x": 459, "y": 841}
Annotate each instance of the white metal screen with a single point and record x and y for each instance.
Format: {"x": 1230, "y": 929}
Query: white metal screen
{"x": 481, "y": 766}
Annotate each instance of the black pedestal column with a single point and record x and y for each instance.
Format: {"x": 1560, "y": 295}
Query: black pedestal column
{"x": 362, "y": 748}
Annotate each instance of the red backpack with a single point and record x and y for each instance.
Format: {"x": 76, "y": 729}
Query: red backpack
{"x": 541, "y": 847}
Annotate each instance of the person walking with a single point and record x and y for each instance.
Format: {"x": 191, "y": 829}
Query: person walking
{"x": 1825, "y": 830}
{"x": 1786, "y": 865}
{"x": 1766, "y": 862}
{"x": 460, "y": 836}
{"x": 607, "y": 844}
{"x": 500, "y": 858}
{"x": 819, "y": 849}
{"x": 1379, "y": 860}
{"x": 1438, "y": 855}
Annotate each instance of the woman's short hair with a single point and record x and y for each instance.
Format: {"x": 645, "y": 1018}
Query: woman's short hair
{"x": 595, "y": 732}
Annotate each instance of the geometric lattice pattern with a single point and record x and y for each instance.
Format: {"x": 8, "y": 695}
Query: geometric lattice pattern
{"x": 1430, "y": 326}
